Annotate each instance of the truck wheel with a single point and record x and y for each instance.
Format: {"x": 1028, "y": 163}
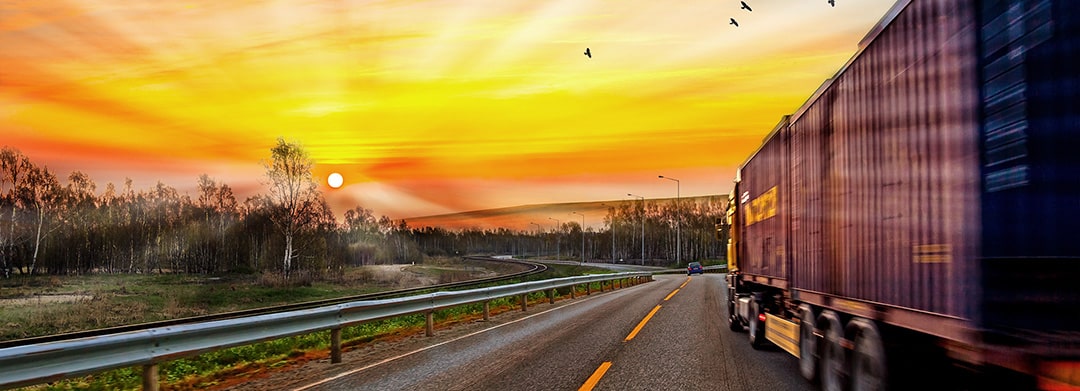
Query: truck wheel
{"x": 757, "y": 327}
{"x": 733, "y": 320}
{"x": 833, "y": 358}
{"x": 868, "y": 365}
{"x": 808, "y": 344}
{"x": 733, "y": 323}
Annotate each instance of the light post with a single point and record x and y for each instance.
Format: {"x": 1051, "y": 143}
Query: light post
{"x": 678, "y": 217}
{"x": 582, "y": 236}
{"x": 538, "y": 233}
{"x": 611, "y": 211}
{"x": 642, "y": 226}
{"x": 558, "y": 238}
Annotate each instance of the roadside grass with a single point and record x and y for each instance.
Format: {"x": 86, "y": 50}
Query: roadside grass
{"x": 119, "y": 300}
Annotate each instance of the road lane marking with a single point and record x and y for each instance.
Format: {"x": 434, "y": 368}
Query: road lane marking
{"x": 685, "y": 282}
{"x": 671, "y": 294}
{"x": 351, "y": 372}
{"x": 595, "y": 378}
{"x": 642, "y": 324}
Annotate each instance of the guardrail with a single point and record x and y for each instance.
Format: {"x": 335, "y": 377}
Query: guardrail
{"x": 52, "y": 361}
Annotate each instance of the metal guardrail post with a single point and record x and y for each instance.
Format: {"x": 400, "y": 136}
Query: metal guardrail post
{"x": 335, "y": 345}
{"x": 573, "y": 292}
{"x": 430, "y": 324}
{"x": 588, "y": 289}
{"x": 487, "y": 311}
{"x": 150, "y": 377}
{"x": 524, "y": 302}
{"x": 551, "y": 296}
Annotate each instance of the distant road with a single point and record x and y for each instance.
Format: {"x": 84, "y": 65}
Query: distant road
{"x": 685, "y": 345}
{"x": 620, "y": 267}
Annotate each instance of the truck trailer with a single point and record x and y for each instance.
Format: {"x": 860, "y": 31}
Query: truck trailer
{"x": 918, "y": 217}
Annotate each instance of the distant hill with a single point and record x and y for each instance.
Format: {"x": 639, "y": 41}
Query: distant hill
{"x": 518, "y": 218}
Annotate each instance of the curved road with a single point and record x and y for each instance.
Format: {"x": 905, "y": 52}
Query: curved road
{"x": 684, "y": 345}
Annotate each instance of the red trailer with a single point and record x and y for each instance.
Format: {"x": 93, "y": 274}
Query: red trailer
{"x": 918, "y": 212}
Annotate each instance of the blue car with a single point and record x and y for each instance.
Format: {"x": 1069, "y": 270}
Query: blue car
{"x": 694, "y": 267}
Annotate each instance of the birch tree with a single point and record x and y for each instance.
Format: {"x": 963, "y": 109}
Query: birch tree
{"x": 293, "y": 193}
{"x": 14, "y": 168}
{"x": 43, "y": 195}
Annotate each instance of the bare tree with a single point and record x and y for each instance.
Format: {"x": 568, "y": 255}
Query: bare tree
{"x": 293, "y": 192}
{"x": 14, "y": 168}
{"x": 43, "y": 194}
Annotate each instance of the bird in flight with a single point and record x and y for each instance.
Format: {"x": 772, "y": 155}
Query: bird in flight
{"x": 832, "y": 3}
{"x": 746, "y": 7}
{"x": 587, "y": 53}
{"x": 733, "y": 22}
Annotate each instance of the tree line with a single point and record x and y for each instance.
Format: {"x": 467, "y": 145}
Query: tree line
{"x": 60, "y": 227}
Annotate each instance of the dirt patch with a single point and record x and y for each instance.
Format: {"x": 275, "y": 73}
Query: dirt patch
{"x": 44, "y": 299}
{"x": 409, "y": 276}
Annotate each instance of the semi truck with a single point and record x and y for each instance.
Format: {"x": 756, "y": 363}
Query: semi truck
{"x": 916, "y": 222}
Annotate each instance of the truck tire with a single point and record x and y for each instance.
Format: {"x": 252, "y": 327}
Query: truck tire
{"x": 757, "y": 327}
{"x": 733, "y": 320}
{"x": 734, "y": 324}
{"x": 808, "y": 344}
{"x": 834, "y": 363}
{"x": 869, "y": 371}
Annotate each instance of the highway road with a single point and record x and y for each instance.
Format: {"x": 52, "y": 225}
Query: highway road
{"x": 670, "y": 334}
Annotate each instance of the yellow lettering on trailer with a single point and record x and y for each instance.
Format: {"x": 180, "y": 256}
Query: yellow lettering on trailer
{"x": 931, "y": 253}
{"x": 782, "y": 333}
{"x": 762, "y": 208}
{"x": 851, "y": 306}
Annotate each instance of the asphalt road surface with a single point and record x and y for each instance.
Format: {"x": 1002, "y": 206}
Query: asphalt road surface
{"x": 670, "y": 334}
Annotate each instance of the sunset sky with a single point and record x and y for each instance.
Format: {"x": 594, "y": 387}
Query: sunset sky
{"x": 425, "y": 107}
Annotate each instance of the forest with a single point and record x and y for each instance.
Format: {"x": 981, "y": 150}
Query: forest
{"x": 50, "y": 226}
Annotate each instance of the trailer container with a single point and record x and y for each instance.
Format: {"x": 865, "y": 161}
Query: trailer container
{"x": 920, "y": 209}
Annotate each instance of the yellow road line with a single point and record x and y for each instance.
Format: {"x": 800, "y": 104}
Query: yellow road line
{"x": 595, "y": 378}
{"x": 642, "y": 324}
{"x": 671, "y": 294}
{"x": 684, "y": 283}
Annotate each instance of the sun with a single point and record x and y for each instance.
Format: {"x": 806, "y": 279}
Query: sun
{"x": 335, "y": 180}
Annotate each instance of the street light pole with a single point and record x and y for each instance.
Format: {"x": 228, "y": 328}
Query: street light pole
{"x": 582, "y": 236}
{"x": 642, "y": 226}
{"x": 538, "y": 248}
{"x": 612, "y": 211}
{"x": 678, "y": 218}
{"x": 558, "y": 238}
